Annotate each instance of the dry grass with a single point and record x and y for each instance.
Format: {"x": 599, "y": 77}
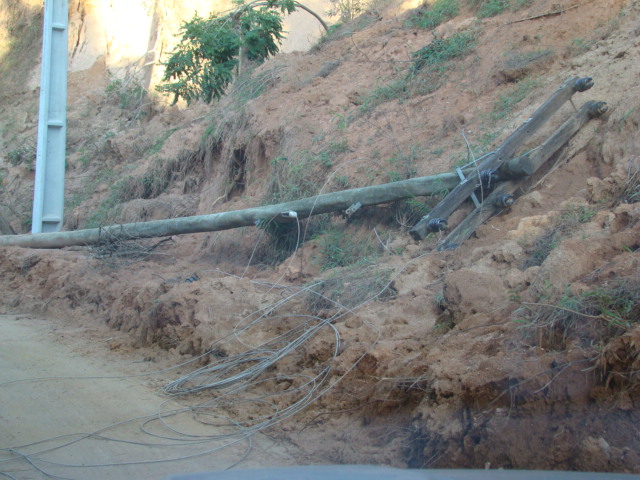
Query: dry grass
{"x": 587, "y": 319}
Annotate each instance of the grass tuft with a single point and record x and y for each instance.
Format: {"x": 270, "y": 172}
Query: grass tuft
{"x": 441, "y": 50}
{"x": 339, "y": 249}
{"x": 426, "y": 74}
{"x": 584, "y": 319}
{"x": 439, "y": 12}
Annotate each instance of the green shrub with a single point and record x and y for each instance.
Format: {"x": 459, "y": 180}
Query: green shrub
{"x": 205, "y": 61}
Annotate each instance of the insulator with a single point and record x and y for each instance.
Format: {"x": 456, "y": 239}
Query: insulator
{"x": 489, "y": 178}
{"x": 598, "y": 108}
{"x": 437, "y": 225}
{"x": 505, "y": 200}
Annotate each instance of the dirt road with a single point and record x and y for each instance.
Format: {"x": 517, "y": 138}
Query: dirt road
{"x": 78, "y": 412}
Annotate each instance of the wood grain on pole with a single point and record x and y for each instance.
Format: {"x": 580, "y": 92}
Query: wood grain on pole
{"x": 325, "y": 203}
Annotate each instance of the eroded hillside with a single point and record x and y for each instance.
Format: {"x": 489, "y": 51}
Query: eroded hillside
{"x": 519, "y": 349}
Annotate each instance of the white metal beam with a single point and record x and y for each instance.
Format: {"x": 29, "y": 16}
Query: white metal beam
{"x": 48, "y": 194}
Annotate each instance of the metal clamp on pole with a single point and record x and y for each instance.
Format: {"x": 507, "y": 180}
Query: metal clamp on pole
{"x": 352, "y": 209}
{"x": 473, "y": 195}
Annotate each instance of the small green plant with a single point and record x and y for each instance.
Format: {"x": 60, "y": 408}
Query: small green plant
{"x": 251, "y": 85}
{"x": 518, "y": 4}
{"x": 108, "y": 210}
{"x": 439, "y": 12}
{"x": 342, "y": 30}
{"x": 85, "y": 159}
{"x": 293, "y": 180}
{"x": 129, "y": 92}
{"x": 578, "y": 46}
{"x": 542, "y": 247}
{"x": 477, "y": 148}
{"x": 396, "y": 89}
{"x": 25, "y": 155}
{"x": 341, "y": 182}
{"x": 341, "y": 250}
{"x": 441, "y": 50}
{"x": 290, "y": 180}
{"x": 282, "y": 239}
{"x": 409, "y": 212}
{"x": 402, "y": 165}
{"x": 491, "y": 8}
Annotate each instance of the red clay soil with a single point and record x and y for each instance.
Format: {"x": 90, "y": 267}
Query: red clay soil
{"x": 489, "y": 355}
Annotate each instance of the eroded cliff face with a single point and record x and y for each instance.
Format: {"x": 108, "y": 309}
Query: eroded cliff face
{"x": 115, "y": 54}
{"x": 464, "y": 350}
{"x": 127, "y": 36}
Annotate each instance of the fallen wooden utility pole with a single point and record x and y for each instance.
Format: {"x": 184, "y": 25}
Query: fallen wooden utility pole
{"x": 325, "y": 203}
{"x": 502, "y": 196}
{"x": 436, "y": 220}
{"x": 491, "y": 168}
